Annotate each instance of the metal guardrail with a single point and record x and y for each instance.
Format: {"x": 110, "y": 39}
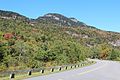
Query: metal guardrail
{"x": 29, "y": 72}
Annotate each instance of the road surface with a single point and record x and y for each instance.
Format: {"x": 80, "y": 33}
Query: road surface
{"x": 102, "y": 70}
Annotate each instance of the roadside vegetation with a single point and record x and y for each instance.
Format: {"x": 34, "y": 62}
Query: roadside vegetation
{"x": 24, "y": 45}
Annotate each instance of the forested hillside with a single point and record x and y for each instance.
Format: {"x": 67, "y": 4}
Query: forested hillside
{"x": 57, "y": 40}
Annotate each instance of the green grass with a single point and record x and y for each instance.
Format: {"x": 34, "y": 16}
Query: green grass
{"x": 35, "y": 74}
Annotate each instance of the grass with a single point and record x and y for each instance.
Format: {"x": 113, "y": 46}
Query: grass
{"x": 35, "y": 74}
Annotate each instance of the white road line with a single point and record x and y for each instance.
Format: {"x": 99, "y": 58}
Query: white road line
{"x": 85, "y": 72}
{"x": 60, "y": 79}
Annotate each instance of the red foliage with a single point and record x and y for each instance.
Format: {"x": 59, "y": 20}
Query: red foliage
{"x": 8, "y": 35}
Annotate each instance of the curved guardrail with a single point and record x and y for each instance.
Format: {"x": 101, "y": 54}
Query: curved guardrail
{"x": 29, "y": 72}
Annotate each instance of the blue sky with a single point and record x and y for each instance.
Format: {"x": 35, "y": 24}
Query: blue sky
{"x": 103, "y": 14}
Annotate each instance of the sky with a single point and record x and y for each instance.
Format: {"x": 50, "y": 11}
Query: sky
{"x": 103, "y": 14}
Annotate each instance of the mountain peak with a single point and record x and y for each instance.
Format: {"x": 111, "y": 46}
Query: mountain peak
{"x": 11, "y": 15}
{"x": 54, "y": 16}
{"x": 74, "y": 19}
{"x": 60, "y": 19}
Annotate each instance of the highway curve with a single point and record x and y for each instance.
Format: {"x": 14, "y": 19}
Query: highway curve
{"x": 102, "y": 70}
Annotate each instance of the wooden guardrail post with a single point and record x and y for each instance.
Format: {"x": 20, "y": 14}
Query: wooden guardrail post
{"x": 12, "y": 75}
{"x": 66, "y": 67}
{"x": 60, "y": 69}
{"x": 30, "y": 73}
{"x": 52, "y": 69}
{"x": 42, "y": 70}
{"x": 75, "y": 66}
{"x": 71, "y": 67}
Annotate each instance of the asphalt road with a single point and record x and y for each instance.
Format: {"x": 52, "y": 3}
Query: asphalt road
{"x": 102, "y": 70}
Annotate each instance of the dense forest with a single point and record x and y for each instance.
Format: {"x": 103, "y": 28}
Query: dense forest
{"x": 28, "y": 43}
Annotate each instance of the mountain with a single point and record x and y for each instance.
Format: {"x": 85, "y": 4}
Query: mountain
{"x": 60, "y": 20}
{"x": 55, "y": 19}
{"x": 11, "y": 15}
{"x": 52, "y": 40}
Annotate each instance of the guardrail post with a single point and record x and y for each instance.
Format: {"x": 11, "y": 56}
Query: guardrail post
{"x": 12, "y": 75}
{"x": 42, "y": 70}
{"x": 71, "y": 66}
{"x": 30, "y": 73}
{"x": 78, "y": 65}
{"x": 81, "y": 65}
{"x": 66, "y": 67}
{"x": 75, "y": 66}
{"x": 60, "y": 69}
{"x": 52, "y": 69}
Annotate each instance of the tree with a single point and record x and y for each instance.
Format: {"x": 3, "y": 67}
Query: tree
{"x": 114, "y": 55}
